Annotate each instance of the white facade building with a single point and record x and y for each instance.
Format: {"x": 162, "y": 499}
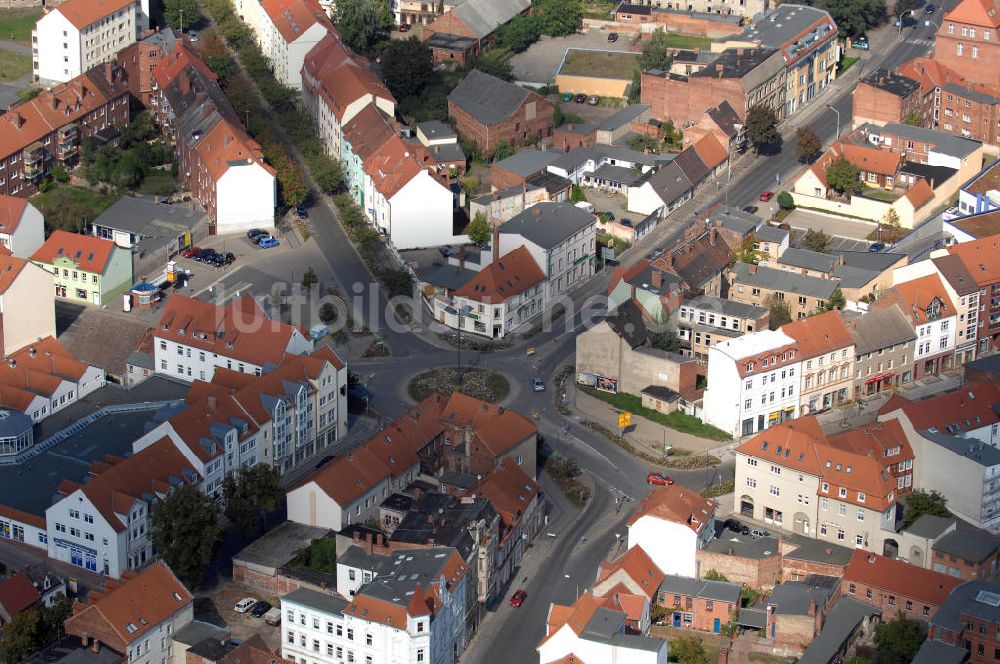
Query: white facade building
{"x": 81, "y": 34}
{"x": 286, "y": 31}
{"x": 245, "y": 197}
{"x": 22, "y": 227}
{"x": 405, "y": 202}
{"x": 671, "y": 524}
{"x": 753, "y": 382}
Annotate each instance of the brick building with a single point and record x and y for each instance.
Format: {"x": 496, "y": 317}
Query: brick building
{"x": 882, "y": 97}
{"x": 487, "y": 110}
{"x": 896, "y": 587}
{"x": 45, "y": 131}
{"x": 968, "y": 41}
{"x": 797, "y": 610}
{"x": 140, "y": 59}
{"x": 570, "y": 136}
{"x": 468, "y": 27}
{"x": 696, "y": 604}
{"x": 965, "y": 628}
{"x": 982, "y": 261}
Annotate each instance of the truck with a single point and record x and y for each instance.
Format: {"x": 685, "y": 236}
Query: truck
{"x": 273, "y": 617}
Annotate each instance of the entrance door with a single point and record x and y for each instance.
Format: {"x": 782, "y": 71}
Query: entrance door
{"x": 716, "y": 625}
{"x": 677, "y": 620}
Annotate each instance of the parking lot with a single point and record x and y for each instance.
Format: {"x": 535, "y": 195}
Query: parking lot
{"x": 216, "y": 606}
{"x": 846, "y": 234}
{"x": 538, "y": 65}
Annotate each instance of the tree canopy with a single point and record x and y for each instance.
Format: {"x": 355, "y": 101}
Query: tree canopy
{"x": 407, "y": 66}
{"x": 762, "y": 127}
{"x": 363, "y": 24}
{"x": 181, "y": 13}
{"x": 816, "y": 240}
{"x": 688, "y": 650}
{"x": 844, "y": 177}
{"x": 185, "y": 531}
{"x": 251, "y": 495}
{"x": 921, "y": 502}
{"x": 807, "y": 144}
{"x": 853, "y": 17}
{"x": 519, "y": 33}
{"x": 657, "y": 54}
{"x": 479, "y": 230}
{"x": 898, "y": 641}
{"x": 780, "y": 313}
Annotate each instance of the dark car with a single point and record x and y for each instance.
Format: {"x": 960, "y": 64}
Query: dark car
{"x": 625, "y": 222}
{"x": 203, "y": 255}
{"x": 612, "y": 37}
{"x": 229, "y": 258}
{"x": 260, "y": 608}
{"x": 876, "y": 247}
{"x": 930, "y": 9}
{"x": 302, "y": 211}
{"x": 737, "y": 527}
{"x": 750, "y": 209}
{"x": 580, "y": 98}
{"x": 255, "y": 233}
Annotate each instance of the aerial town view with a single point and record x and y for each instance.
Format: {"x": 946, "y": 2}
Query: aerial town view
{"x": 499, "y": 332}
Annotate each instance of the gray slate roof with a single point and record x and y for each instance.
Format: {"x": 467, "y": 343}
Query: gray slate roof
{"x": 929, "y": 526}
{"x": 854, "y": 277}
{"x": 620, "y": 174}
{"x": 13, "y": 423}
{"x": 607, "y": 626}
{"x": 727, "y": 307}
{"x": 985, "y": 455}
{"x": 548, "y": 224}
{"x": 146, "y": 217}
{"x": 721, "y": 591}
{"x": 670, "y": 183}
{"x": 938, "y": 652}
{"x": 771, "y": 234}
{"x": 975, "y": 95}
{"x": 891, "y": 82}
{"x": 451, "y": 277}
{"x": 435, "y": 129}
{"x": 780, "y": 280}
{"x": 956, "y": 146}
{"x": 627, "y": 322}
{"x": 965, "y": 599}
{"x": 819, "y": 551}
{"x": 484, "y": 16}
{"x": 528, "y": 162}
{"x": 623, "y": 117}
{"x": 692, "y": 165}
{"x": 726, "y": 118}
{"x": 735, "y": 220}
{"x": 408, "y": 568}
{"x": 811, "y": 260}
{"x": 792, "y": 598}
{"x": 783, "y": 23}
{"x": 331, "y": 604}
{"x": 487, "y": 98}
{"x": 840, "y": 625}
{"x": 968, "y": 543}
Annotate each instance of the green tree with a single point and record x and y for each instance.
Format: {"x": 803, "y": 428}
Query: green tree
{"x": 921, "y": 502}
{"x": 328, "y": 173}
{"x": 577, "y": 195}
{"x": 891, "y": 218}
{"x": 916, "y": 118}
{"x": 176, "y": 11}
{"x": 780, "y": 313}
{"x": 328, "y": 313}
{"x": 762, "y": 127}
{"x": 816, "y": 241}
{"x": 185, "y": 531}
{"x": 903, "y": 6}
{"x": 837, "y": 300}
{"x": 407, "y": 66}
{"x": 713, "y": 575}
{"x": 658, "y": 614}
{"x": 657, "y": 54}
{"x": 363, "y": 24}
{"x": 664, "y": 337}
{"x": 844, "y": 177}
{"x": 319, "y": 556}
{"x": 250, "y": 496}
{"x": 688, "y": 650}
{"x": 557, "y": 18}
{"x": 642, "y": 142}
{"x": 519, "y": 33}
{"x": 309, "y": 278}
{"x": 59, "y": 174}
{"x": 747, "y": 252}
{"x": 222, "y": 66}
{"x": 502, "y": 150}
{"x": 21, "y": 636}
{"x": 785, "y": 201}
{"x": 853, "y": 17}
{"x": 898, "y": 641}
{"x": 635, "y": 90}
{"x": 492, "y": 62}
{"x": 807, "y": 144}
{"x": 479, "y": 231}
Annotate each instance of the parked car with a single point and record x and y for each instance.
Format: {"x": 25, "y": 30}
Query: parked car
{"x": 625, "y": 222}
{"x": 765, "y": 196}
{"x": 229, "y": 258}
{"x": 567, "y": 96}
{"x": 302, "y": 211}
{"x": 517, "y": 599}
{"x": 193, "y": 36}
{"x": 190, "y": 251}
{"x": 860, "y": 43}
{"x": 204, "y": 255}
{"x": 659, "y": 479}
{"x": 876, "y": 247}
{"x": 537, "y": 384}
{"x": 256, "y": 232}
{"x": 750, "y": 209}
{"x": 268, "y": 243}
{"x": 580, "y": 98}
{"x": 612, "y": 37}
{"x": 593, "y": 100}
{"x": 930, "y": 9}
{"x": 757, "y": 534}
{"x": 273, "y": 617}
{"x": 737, "y": 527}
{"x": 260, "y": 608}
{"x": 405, "y": 27}
{"x": 244, "y": 604}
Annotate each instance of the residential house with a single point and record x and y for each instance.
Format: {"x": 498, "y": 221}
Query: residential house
{"x": 757, "y": 284}
{"x": 22, "y": 227}
{"x": 84, "y": 268}
{"x": 517, "y": 500}
{"x": 194, "y": 337}
{"x": 966, "y": 412}
{"x": 705, "y": 320}
{"x": 896, "y": 587}
{"x": 962, "y": 469}
{"x": 849, "y": 624}
{"x": 826, "y": 351}
{"x": 48, "y": 130}
{"x": 17, "y": 594}
{"x": 605, "y": 167}
{"x": 286, "y": 32}
{"x": 503, "y": 204}
{"x": 981, "y": 193}
{"x": 705, "y": 606}
{"x": 616, "y": 355}
{"x": 753, "y": 382}
{"x": 101, "y": 524}
{"x": 336, "y": 85}
{"x": 468, "y": 28}
{"x": 590, "y": 630}
{"x": 523, "y": 165}
{"x": 965, "y": 626}
{"x": 931, "y": 312}
{"x": 139, "y": 61}
{"x": 631, "y": 582}
{"x": 91, "y": 33}
{"x": 561, "y": 239}
{"x": 673, "y": 514}
{"x": 416, "y": 609}
{"x": 950, "y": 546}
{"x": 136, "y": 617}
{"x": 27, "y": 304}
{"x": 886, "y": 441}
{"x": 966, "y": 41}
{"x": 699, "y": 258}
{"x": 436, "y": 147}
{"x": 796, "y": 610}
{"x": 883, "y": 97}
{"x": 770, "y": 242}
{"x": 43, "y": 377}
{"x": 884, "y": 346}
{"x": 220, "y": 163}
{"x": 645, "y": 11}
{"x": 792, "y": 476}
{"x": 411, "y": 12}
{"x": 487, "y": 110}
{"x": 979, "y": 259}
{"x": 656, "y": 292}
{"x": 664, "y": 189}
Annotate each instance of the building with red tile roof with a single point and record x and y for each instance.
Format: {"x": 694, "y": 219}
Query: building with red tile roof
{"x": 930, "y": 310}
{"x": 964, "y": 44}
{"x": 896, "y": 587}
{"x": 826, "y": 350}
{"x": 43, "y": 377}
{"x": 969, "y": 412}
{"x": 85, "y": 268}
{"x": 980, "y": 259}
{"x": 17, "y": 594}
{"x": 22, "y": 227}
{"x": 78, "y": 35}
{"x": 517, "y": 499}
{"x": 286, "y": 32}
{"x": 634, "y": 570}
{"x": 143, "y": 610}
{"x": 677, "y": 514}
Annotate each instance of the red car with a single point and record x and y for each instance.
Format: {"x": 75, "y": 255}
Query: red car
{"x": 517, "y": 599}
{"x": 765, "y": 196}
{"x": 190, "y": 251}
{"x": 659, "y": 479}
{"x": 404, "y": 27}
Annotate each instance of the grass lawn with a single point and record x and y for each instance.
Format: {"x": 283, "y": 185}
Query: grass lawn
{"x": 16, "y": 24}
{"x": 13, "y": 65}
{"x": 65, "y": 206}
{"x": 676, "y": 420}
{"x": 688, "y": 42}
{"x": 600, "y": 64}
{"x": 881, "y": 194}
{"x": 846, "y": 63}
{"x": 158, "y": 183}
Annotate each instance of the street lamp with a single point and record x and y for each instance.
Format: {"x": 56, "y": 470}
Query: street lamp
{"x": 729, "y": 166}
{"x": 838, "y": 119}
{"x": 461, "y": 312}
{"x": 899, "y": 20}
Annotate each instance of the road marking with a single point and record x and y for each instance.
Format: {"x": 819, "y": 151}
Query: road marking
{"x": 222, "y": 278}
{"x": 611, "y": 487}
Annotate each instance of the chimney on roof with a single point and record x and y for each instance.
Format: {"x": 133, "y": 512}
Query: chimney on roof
{"x": 109, "y": 72}
{"x": 496, "y": 244}
{"x": 713, "y": 236}
{"x": 657, "y": 279}
{"x": 812, "y": 607}
{"x": 54, "y": 101}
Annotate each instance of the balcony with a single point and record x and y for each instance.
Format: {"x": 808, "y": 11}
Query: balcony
{"x": 67, "y": 134}
{"x": 34, "y": 161}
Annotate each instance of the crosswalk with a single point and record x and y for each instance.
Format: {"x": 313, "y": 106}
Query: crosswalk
{"x": 921, "y": 42}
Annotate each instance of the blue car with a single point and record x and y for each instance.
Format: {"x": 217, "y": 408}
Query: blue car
{"x": 268, "y": 243}
{"x": 876, "y": 247}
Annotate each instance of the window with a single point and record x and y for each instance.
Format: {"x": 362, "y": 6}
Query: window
{"x": 774, "y": 491}
{"x": 368, "y": 639}
{"x": 751, "y": 461}
{"x": 825, "y": 488}
{"x": 824, "y": 504}
{"x": 842, "y": 509}
{"x": 751, "y": 483}
{"x": 859, "y": 540}
{"x": 842, "y": 492}
{"x": 861, "y": 497}
{"x": 776, "y": 469}
{"x": 420, "y": 654}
